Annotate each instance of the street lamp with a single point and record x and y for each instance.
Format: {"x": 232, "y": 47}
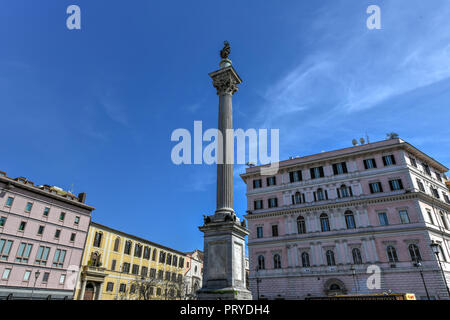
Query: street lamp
{"x": 418, "y": 265}
{"x": 353, "y": 270}
{"x": 36, "y": 276}
{"x": 258, "y": 280}
{"x": 435, "y": 247}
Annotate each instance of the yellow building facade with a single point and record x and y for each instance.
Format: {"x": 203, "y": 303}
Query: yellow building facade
{"x": 120, "y": 266}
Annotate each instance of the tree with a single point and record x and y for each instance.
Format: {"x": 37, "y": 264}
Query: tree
{"x": 145, "y": 287}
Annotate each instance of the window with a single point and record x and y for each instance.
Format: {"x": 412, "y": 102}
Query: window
{"x": 138, "y": 250}
{"x": 154, "y": 255}
{"x": 295, "y": 176}
{"x": 45, "y": 276}
{"x": 258, "y": 204}
{"x": 444, "y": 221}
{"x": 330, "y": 258}
{"x": 72, "y": 237}
{"x": 277, "y": 261}
{"x": 57, "y": 233}
{"x": 77, "y": 220}
{"x": 181, "y": 265}
{"x": 167, "y": 275}
{"x": 271, "y": 181}
{"x": 413, "y": 161}
{"x": 135, "y": 269}
{"x": 316, "y": 172}
{"x": 113, "y": 265}
{"x": 117, "y": 244}
{"x": 5, "y": 248}
{"x": 259, "y": 232}
{"x": 430, "y": 216}
{"x": 446, "y": 198}
{"x": 122, "y": 287}
{"x": 375, "y": 187}
{"x": 152, "y": 273}
{"x": 444, "y": 258}
{"x": 98, "y": 239}
{"x": 344, "y": 191}
{"x": 127, "y": 248}
{"x": 110, "y": 286}
{"x": 434, "y": 192}
{"x": 273, "y": 202}
{"x": 370, "y": 164}
{"x": 42, "y": 255}
{"x": 305, "y": 260}
{"x": 2, "y": 221}
{"x": 46, "y": 212}
{"x": 162, "y": 257}
{"x": 301, "y": 225}
{"x": 382, "y": 216}
{"x": 169, "y": 259}
{"x": 146, "y": 252}
{"x": 404, "y": 218}
{"x": 58, "y": 260}
{"x": 392, "y": 254}
{"x": 438, "y": 176}
{"x": 396, "y": 184}
{"x": 28, "y": 207}
{"x": 320, "y": 195}
{"x": 133, "y": 288}
{"x": 426, "y": 168}
{"x": 324, "y": 222}
{"x": 62, "y": 215}
{"x": 6, "y": 274}
{"x": 23, "y": 253}
{"x": 62, "y": 279}
{"x": 350, "y": 220}
{"x": 40, "y": 230}
{"x": 298, "y": 198}
{"x": 420, "y": 185}
{"x": 9, "y": 201}
{"x": 175, "y": 261}
{"x": 144, "y": 271}
{"x": 261, "y": 263}
{"x": 389, "y": 160}
{"x": 26, "y": 275}
{"x": 158, "y": 291}
{"x": 275, "y": 230}
{"x": 257, "y": 184}
{"x": 339, "y": 168}
{"x": 22, "y": 226}
{"x": 160, "y": 274}
{"x": 414, "y": 253}
{"x": 126, "y": 267}
{"x": 356, "y": 253}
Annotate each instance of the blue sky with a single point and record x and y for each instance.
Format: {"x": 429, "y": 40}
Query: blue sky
{"x": 93, "y": 109}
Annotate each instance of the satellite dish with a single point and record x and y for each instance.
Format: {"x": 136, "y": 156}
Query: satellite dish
{"x": 250, "y": 164}
{"x": 354, "y": 142}
{"x": 362, "y": 140}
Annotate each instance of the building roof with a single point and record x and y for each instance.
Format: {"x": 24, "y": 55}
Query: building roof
{"x": 351, "y": 151}
{"x": 46, "y": 190}
{"x": 142, "y": 240}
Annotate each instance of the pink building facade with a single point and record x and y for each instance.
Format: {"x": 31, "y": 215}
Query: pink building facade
{"x": 42, "y": 236}
{"x": 358, "y": 220}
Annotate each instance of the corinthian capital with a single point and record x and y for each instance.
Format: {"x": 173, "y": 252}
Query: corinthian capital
{"x": 225, "y": 81}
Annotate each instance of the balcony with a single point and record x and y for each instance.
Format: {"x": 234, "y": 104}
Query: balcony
{"x": 94, "y": 272}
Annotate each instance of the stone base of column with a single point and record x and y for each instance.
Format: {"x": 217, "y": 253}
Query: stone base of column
{"x": 224, "y": 294}
{"x": 224, "y": 276}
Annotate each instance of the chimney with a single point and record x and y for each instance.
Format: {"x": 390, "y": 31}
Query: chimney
{"x": 82, "y": 197}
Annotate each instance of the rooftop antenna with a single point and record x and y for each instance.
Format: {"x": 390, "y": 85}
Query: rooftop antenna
{"x": 367, "y": 138}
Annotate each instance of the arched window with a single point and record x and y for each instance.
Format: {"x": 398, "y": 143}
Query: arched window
{"x": 261, "y": 263}
{"x": 298, "y": 198}
{"x": 392, "y": 254}
{"x": 350, "y": 220}
{"x": 335, "y": 287}
{"x": 305, "y": 260}
{"x": 330, "y": 258}
{"x": 95, "y": 259}
{"x": 414, "y": 253}
{"x": 324, "y": 222}
{"x": 276, "y": 261}
{"x": 320, "y": 194}
{"x": 444, "y": 221}
{"x": 356, "y": 253}
{"x": 98, "y": 239}
{"x": 301, "y": 225}
{"x": 117, "y": 244}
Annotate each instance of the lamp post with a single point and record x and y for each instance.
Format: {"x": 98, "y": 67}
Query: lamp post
{"x": 36, "y": 276}
{"x": 435, "y": 247}
{"x": 353, "y": 270}
{"x": 418, "y": 265}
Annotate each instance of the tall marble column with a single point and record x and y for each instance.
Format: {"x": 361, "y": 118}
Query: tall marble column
{"x": 224, "y": 234}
